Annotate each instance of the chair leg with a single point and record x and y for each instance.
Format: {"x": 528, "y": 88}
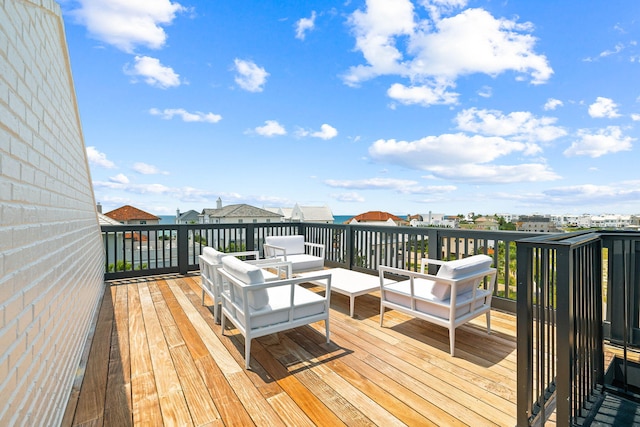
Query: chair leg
{"x": 381, "y": 314}
{"x": 247, "y": 352}
{"x": 222, "y": 317}
{"x": 452, "y": 340}
{"x": 216, "y": 312}
{"x": 488, "y": 322}
{"x": 203, "y": 296}
{"x": 326, "y": 326}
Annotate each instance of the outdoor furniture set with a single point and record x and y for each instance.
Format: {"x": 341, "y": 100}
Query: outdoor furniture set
{"x": 264, "y": 296}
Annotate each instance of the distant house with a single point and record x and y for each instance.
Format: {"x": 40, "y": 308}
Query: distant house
{"x": 317, "y": 214}
{"x": 129, "y": 215}
{"x": 377, "y": 218}
{"x": 237, "y": 214}
{"x": 188, "y": 217}
{"x": 536, "y": 223}
{"x": 105, "y": 220}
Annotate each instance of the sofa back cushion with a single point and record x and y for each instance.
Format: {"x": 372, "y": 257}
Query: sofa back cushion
{"x": 292, "y": 244}
{"x": 248, "y": 274}
{"x": 457, "y": 269}
{"x": 213, "y": 255}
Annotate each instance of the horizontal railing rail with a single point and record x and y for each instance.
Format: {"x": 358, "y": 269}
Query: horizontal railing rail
{"x": 141, "y": 250}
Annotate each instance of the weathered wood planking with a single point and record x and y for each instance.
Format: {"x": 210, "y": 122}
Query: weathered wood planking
{"x": 169, "y": 363}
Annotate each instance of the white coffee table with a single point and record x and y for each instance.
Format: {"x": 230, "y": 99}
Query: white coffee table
{"x": 349, "y": 282}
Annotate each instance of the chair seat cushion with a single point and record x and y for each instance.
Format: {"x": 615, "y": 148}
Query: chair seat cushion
{"x": 400, "y": 293}
{"x": 291, "y": 244}
{"x": 304, "y": 262}
{"x": 306, "y": 302}
{"x": 457, "y": 269}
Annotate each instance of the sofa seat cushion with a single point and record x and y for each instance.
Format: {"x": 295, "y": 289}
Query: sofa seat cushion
{"x": 291, "y": 244}
{"x": 457, "y": 269}
{"x": 306, "y": 302}
{"x": 248, "y": 274}
{"x": 304, "y": 262}
{"x": 400, "y": 293}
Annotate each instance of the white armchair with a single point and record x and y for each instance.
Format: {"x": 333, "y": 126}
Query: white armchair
{"x": 457, "y": 294}
{"x": 211, "y": 260}
{"x": 258, "y": 307}
{"x": 304, "y": 256}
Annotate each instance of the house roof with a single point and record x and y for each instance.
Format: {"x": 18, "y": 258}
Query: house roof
{"x": 377, "y": 216}
{"x": 240, "y": 211}
{"x": 105, "y": 220}
{"x": 189, "y": 215}
{"x": 316, "y": 213}
{"x": 129, "y": 213}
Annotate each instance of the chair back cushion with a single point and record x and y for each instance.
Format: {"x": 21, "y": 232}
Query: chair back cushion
{"x": 292, "y": 244}
{"x": 213, "y": 255}
{"x": 457, "y": 269}
{"x": 250, "y": 275}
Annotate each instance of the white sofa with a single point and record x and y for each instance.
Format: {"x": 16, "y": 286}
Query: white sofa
{"x": 211, "y": 260}
{"x": 460, "y": 291}
{"x": 257, "y": 307}
{"x": 304, "y": 256}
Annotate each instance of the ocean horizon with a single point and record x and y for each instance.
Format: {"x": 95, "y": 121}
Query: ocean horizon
{"x": 171, "y": 219}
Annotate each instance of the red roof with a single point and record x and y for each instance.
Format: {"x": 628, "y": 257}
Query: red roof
{"x": 376, "y": 216}
{"x": 129, "y": 213}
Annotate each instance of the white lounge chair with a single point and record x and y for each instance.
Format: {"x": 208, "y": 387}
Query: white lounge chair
{"x": 258, "y": 307}
{"x": 457, "y": 294}
{"x": 211, "y": 260}
{"x": 304, "y": 256}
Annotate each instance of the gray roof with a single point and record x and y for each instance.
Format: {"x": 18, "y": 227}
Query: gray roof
{"x": 189, "y": 215}
{"x": 240, "y": 211}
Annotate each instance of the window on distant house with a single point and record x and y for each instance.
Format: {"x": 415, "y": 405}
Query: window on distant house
{"x": 255, "y": 221}
{"x": 143, "y": 222}
{"x": 240, "y": 221}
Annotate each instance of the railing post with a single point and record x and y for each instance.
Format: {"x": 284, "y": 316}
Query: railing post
{"x": 435, "y": 247}
{"x": 524, "y": 334}
{"x": 250, "y": 238}
{"x": 565, "y": 337}
{"x": 350, "y": 246}
{"x": 183, "y": 248}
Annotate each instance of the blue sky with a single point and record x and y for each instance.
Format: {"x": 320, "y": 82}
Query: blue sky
{"x": 450, "y": 106}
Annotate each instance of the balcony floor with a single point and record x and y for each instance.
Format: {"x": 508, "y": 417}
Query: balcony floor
{"x": 157, "y": 357}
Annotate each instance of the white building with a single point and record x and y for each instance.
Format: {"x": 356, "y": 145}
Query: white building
{"x": 316, "y": 214}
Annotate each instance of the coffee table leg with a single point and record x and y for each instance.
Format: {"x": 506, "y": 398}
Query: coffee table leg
{"x": 352, "y": 304}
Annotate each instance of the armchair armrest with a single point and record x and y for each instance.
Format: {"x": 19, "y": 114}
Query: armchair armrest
{"x": 316, "y": 249}
{"x": 272, "y": 251}
{"x": 275, "y": 263}
{"x": 426, "y": 261}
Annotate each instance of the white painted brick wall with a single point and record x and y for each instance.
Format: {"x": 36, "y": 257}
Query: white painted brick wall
{"x": 51, "y": 257}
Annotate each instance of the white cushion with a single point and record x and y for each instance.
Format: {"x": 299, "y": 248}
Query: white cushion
{"x": 292, "y": 244}
{"x": 213, "y": 255}
{"x": 250, "y": 275}
{"x": 304, "y": 262}
{"x": 306, "y": 302}
{"x": 400, "y": 293}
{"x": 457, "y": 269}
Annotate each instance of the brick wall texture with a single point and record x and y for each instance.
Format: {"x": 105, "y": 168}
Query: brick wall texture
{"x": 51, "y": 256}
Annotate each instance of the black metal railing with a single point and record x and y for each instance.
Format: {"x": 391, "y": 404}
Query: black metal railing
{"x": 141, "y": 250}
{"x": 563, "y": 282}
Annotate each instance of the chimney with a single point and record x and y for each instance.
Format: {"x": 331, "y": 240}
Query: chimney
{"x": 219, "y": 203}
{"x": 99, "y": 207}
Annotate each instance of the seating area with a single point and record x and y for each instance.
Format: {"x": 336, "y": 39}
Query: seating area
{"x": 459, "y": 292}
{"x": 304, "y": 256}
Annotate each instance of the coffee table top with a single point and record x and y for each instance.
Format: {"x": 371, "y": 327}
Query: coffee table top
{"x": 348, "y": 281}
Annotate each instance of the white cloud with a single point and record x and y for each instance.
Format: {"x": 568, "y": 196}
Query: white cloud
{"x": 348, "y": 197}
{"x": 153, "y": 72}
{"x": 250, "y": 77}
{"x": 119, "y": 179}
{"x": 373, "y": 183}
{"x": 97, "y": 158}
{"x": 635, "y": 117}
{"x": 440, "y": 50}
{"x": 304, "y": 25}
{"x": 126, "y": 24}
{"x": 271, "y": 128}
{"x": 604, "y": 141}
{"x": 521, "y": 125}
{"x": 146, "y": 169}
{"x": 552, "y": 104}
{"x": 603, "y": 108}
{"x": 169, "y": 113}
{"x": 462, "y": 157}
{"x": 326, "y": 132}
{"x": 422, "y": 95}
{"x": 485, "y": 91}
{"x": 585, "y": 194}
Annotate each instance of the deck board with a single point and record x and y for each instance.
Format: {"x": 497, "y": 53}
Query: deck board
{"x": 160, "y": 359}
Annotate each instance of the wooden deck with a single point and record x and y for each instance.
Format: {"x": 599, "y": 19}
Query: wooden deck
{"x": 158, "y": 358}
